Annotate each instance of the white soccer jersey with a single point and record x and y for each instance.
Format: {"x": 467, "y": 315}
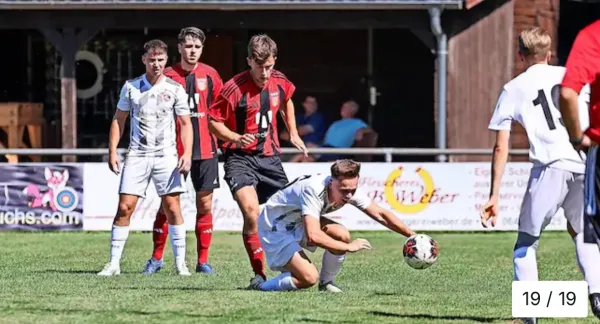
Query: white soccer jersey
{"x": 307, "y": 195}
{"x": 152, "y": 112}
{"x": 532, "y": 100}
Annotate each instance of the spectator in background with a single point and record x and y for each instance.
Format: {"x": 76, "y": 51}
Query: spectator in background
{"x": 346, "y": 131}
{"x": 311, "y": 127}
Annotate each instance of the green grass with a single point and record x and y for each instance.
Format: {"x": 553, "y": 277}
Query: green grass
{"x": 51, "y": 278}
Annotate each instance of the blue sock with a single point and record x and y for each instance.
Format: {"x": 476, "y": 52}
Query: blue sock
{"x": 282, "y": 282}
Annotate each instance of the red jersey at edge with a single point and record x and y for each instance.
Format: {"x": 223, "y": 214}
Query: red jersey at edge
{"x": 583, "y": 67}
{"x": 202, "y": 85}
{"x": 245, "y": 108}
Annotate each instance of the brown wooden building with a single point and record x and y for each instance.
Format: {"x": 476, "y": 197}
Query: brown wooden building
{"x": 330, "y": 51}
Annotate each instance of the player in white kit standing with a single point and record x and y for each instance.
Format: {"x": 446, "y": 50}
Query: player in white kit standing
{"x": 154, "y": 101}
{"x": 292, "y": 220}
{"x": 556, "y": 179}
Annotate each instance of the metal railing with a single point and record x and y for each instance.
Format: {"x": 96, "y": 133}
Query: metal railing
{"x": 388, "y": 152}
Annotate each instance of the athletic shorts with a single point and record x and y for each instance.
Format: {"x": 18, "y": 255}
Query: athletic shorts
{"x": 205, "y": 174}
{"x": 138, "y": 171}
{"x": 548, "y": 190}
{"x": 280, "y": 245}
{"x": 591, "y": 221}
{"x": 265, "y": 173}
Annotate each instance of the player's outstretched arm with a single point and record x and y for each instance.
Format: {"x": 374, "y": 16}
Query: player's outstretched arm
{"x": 316, "y": 236}
{"x": 388, "y": 219}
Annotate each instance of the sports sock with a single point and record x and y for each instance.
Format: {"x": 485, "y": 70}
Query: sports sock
{"x": 283, "y": 282}
{"x": 118, "y": 237}
{"x": 160, "y": 232}
{"x": 332, "y": 264}
{"x": 204, "y": 230}
{"x": 525, "y": 263}
{"x": 178, "y": 242}
{"x": 255, "y": 253}
{"x": 588, "y": 258}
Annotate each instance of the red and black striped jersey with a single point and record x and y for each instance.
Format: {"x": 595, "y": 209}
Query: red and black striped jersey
{"x": 245, "y": 108}
{"x": 202, "y": 85}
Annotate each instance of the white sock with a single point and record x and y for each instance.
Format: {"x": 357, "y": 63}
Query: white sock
{"x": 177, "y": 234}
{"x": 588, "y": 258}
{"x": 525, "y": 263}
{"x": 118, "y": 237}
{"x": 332, "y": 264}
{"x": 282, "y": 282}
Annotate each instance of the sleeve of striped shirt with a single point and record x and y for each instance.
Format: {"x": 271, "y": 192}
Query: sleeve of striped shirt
{"x": 182, "y": 107}
{"x": 124, "y": 103}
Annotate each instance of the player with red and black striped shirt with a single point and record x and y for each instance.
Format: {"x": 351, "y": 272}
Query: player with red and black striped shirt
{"x": 202, "y": 83}
{"x": 244, "y": 117}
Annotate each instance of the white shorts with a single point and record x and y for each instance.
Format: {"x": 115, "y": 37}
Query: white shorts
{"x": 281, "y": 245}
{"x": 548, "y": 190}
{"x": 139, "y": 170}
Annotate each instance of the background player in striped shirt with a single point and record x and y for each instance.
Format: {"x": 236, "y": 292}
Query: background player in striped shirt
{"x": 153, "y": 101}
{"x": 242, "y": 116}
{"x": 202, "y": 84}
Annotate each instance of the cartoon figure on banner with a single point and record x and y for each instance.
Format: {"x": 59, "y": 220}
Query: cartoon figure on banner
{"x": 58, "y": 197}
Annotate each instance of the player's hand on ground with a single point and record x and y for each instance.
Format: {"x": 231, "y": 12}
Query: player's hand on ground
{"x": 359, "y": 244}
{"x": 245, "y": 139}
{"x": 114, "y": 163}
{"x": 489, "y": 211}
{"x": 185, "y": 164}
{"x": 299, "y": 144}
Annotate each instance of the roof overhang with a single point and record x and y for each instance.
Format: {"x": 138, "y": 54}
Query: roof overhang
{"x": 226, "y": 5}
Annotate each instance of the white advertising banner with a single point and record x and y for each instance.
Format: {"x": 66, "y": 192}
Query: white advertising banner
{"x": 426, "y": 196}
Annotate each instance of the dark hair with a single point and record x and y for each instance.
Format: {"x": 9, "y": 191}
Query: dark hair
{"x": 261, "y": 47}
{"x": 155, "y": 44}
{"x": 345, "y": 168}
{"x": 193, "y": 32}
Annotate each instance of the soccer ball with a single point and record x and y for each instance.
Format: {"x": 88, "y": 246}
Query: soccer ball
{"x": 420, "y": 251}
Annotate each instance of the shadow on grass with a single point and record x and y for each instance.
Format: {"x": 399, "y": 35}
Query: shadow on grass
{"x": 478, "y": 319}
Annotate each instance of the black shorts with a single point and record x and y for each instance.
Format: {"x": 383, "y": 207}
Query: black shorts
{"x": 265, "y": 173}
{"x": 205, "y": 174}
{"x": 591, "y": 200}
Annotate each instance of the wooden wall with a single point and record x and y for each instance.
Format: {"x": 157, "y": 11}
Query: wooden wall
{"x": 480, "y": 62}
{"x": 482, "y": 58}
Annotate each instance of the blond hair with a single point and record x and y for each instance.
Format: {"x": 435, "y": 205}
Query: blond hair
{"x": 535, "y": 42}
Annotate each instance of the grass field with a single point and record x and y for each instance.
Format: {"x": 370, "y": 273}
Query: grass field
{"x": 51, "y": 278}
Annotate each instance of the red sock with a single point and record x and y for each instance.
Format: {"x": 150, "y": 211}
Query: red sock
{"x": 160, "y": 233}
{"x": 204, "y": 230}
{"x": 255, "y": 253}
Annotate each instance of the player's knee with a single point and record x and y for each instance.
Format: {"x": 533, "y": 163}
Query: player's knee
{"x": 308, "y": 278}
{"x": 204, "y": 203}
{"x": 125, "y": 209}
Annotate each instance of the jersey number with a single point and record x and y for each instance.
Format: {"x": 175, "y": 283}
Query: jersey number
{"x": 263, "y": 121}
{"x": 194, "y": 100}
{"x": 543, "y": 101}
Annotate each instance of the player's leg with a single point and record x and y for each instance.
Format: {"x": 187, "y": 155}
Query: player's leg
{"x": 588, "y": 254}
{"x": 242, "y": 179}
{"x": 544, "y": 195}
{"x": 332, "y": 260}
{"x": 135, "y": 178}
{"x": 160, "y": 233}
{"x": 170, "y": 184}
{"x": 297, "y": 273}
{"x": 205, "y": 177}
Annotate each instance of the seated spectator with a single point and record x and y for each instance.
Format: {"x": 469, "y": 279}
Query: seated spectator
{"x": 344, "y": 132}
{"x": 311, "y": 127}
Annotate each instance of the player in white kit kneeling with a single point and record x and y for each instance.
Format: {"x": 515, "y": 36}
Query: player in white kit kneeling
{"x": 154, "y": 102}
{"x": 292, "y": 220}
{"x": 556, "y": 179}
